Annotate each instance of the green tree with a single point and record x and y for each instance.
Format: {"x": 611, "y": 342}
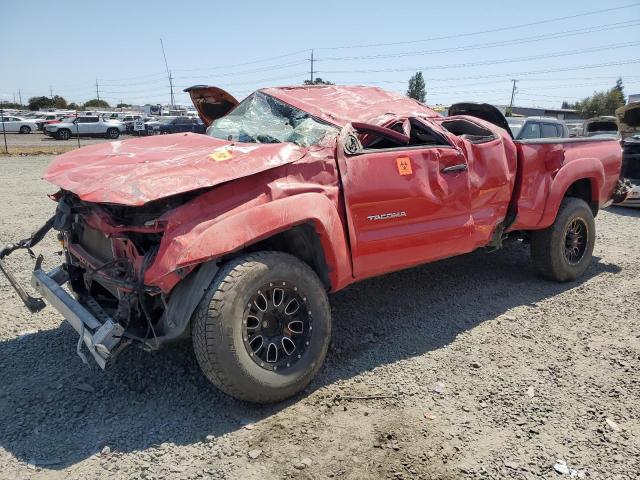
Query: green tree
{"x": 318, "y": 81}
{"x": 37, "y": 103}
{"x": 95, "y": 103}
{"x": 417, "y": 88}
{"x": 602, "y": 103}
{"x": 123, "y": 105}
{"x": 17, "y": 106}
{"x": 73, "y": 106}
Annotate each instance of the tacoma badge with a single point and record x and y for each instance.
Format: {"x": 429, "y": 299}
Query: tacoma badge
{"x": 385, "y": 216}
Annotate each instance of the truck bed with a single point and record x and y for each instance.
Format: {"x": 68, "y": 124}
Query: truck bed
{"x": 541, "y": 163}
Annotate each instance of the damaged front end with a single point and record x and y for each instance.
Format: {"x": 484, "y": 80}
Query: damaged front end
{"x": 107, "y": 249}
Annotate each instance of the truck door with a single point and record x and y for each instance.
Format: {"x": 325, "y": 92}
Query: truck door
{"x": 406, "y": 203}
{"x": 83, "y": 125}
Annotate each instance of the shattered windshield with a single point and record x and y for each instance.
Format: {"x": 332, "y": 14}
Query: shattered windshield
{"x": 261, "y": 118}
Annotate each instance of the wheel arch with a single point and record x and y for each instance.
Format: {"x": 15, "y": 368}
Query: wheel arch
{"x": 582, "y": 178}
{"x": 307, "y": 226}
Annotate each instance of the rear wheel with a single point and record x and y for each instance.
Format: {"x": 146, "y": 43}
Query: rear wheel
{"x": 113, "y": 133}
{"x": 63, "y": 134}
{"x": 25, "y": 129}
{"x": 262, "y": 330}
{"x": 563, "y": 251}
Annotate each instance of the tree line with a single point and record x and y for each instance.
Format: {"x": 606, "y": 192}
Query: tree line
{"x": 40, "y": 103}
{"x": 600, "y": 103}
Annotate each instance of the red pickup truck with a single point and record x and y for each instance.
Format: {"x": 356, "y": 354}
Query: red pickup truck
{"x": 235, "y": 237}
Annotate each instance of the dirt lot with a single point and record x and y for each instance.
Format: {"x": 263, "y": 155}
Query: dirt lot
{"x": 37, "y": 143}
{"x": 491, "y": 373}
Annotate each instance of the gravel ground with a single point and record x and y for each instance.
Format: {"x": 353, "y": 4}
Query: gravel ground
{"x": 39, "y": 140}
{"x": 490, "y": 373}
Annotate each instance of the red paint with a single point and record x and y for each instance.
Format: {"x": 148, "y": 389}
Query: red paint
{"x": 371, "y": 215}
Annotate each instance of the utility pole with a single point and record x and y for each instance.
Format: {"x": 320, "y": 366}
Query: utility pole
{"x": 171, "y": 87}
{"x": 20, "y": 96}
{"x": 311, "y": 72}
{"x": 168, "y": 73}
{"x": 513, "y": 93}
{"x": 4, "y": 133}
{"x": 97, "y": 91}
{"x": 51, "y": 91}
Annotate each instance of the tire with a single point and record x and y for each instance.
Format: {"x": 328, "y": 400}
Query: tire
{"x": 25, "y": 129}
{"x": 563, "y": 251}
{"x": 113, "y": 133}
{"x": 63, "y": 134}
{"x": 225, "y": 336}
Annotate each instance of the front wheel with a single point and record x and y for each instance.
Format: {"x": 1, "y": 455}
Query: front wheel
{"x": 25, "y": 129}
{"x": 563, "y": 251}
{"x": 262, "y": 330}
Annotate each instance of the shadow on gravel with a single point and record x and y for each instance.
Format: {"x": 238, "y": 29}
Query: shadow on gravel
{"x": 625, "y": 211}
{"x": 55, "y": 411}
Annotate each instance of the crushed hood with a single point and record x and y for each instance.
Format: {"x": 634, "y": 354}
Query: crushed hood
{"x": 134, "y": 172}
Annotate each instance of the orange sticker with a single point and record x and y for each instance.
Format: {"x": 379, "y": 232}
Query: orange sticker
{"x": 220, "y": 155}
{"x": 404, "y": 165}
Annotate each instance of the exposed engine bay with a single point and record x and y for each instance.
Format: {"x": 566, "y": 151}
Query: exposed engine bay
{"x": 107, "y": 250}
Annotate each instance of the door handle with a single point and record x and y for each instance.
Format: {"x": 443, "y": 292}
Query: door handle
{"x": 454, "y": 168}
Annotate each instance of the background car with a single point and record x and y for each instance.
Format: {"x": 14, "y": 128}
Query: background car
{"x": 18, "y": 125}
{"x": 129, "y": 120}
{"x": 537, "y": 127}
{"x": 178, "y": 124}
{"x": 49, "y": 118}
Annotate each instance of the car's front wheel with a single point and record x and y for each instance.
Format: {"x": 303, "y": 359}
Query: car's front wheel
{"x": 262, "y": 330}
{"x": 25, "y": 129}
{"x": 63, "y": 134}
{"x": 563, "y": 251}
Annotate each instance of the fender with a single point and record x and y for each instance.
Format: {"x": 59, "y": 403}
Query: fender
{"x": 578, "y": 169}
{"x": 214, "y": 238}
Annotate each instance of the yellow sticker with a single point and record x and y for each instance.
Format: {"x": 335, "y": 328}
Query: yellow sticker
{"x": 220, "y": 155}
{"x": 404, "y": 165}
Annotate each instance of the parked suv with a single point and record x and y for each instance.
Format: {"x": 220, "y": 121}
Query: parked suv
{"x": 179, "y": 124}
{"x": 86, "y": 126}
{"x": 537, "y": 127}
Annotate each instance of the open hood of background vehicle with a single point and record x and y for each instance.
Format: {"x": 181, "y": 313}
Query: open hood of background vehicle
{"x": 483, "y": 111}
{"x": 134, "y": 172}
{"x": 211, "y": 102}
{"x": 629, "y": 119}
{"x": 604, "y": 124}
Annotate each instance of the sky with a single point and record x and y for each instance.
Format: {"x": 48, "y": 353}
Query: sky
{"x": 466, "y": 50}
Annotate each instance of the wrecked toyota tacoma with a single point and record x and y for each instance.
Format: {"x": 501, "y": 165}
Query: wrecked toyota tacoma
{"x": 235, "y": 238}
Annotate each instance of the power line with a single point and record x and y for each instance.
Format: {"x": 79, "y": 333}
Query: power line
{"x": 502, "y": 43}
{"x": 482, "y": 32}
{"x": 255, "y": 70}
{"x": 251, "y": 62}
{"x": 612, "y": 46}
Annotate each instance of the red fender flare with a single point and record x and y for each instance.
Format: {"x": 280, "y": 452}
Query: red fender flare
{"x": 579, "y": 169}
{"x": 213, "y": 239}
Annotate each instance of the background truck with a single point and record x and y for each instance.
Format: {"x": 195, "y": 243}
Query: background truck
{"x": 85, "y": 126}
{"x": 234, "y": 238}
